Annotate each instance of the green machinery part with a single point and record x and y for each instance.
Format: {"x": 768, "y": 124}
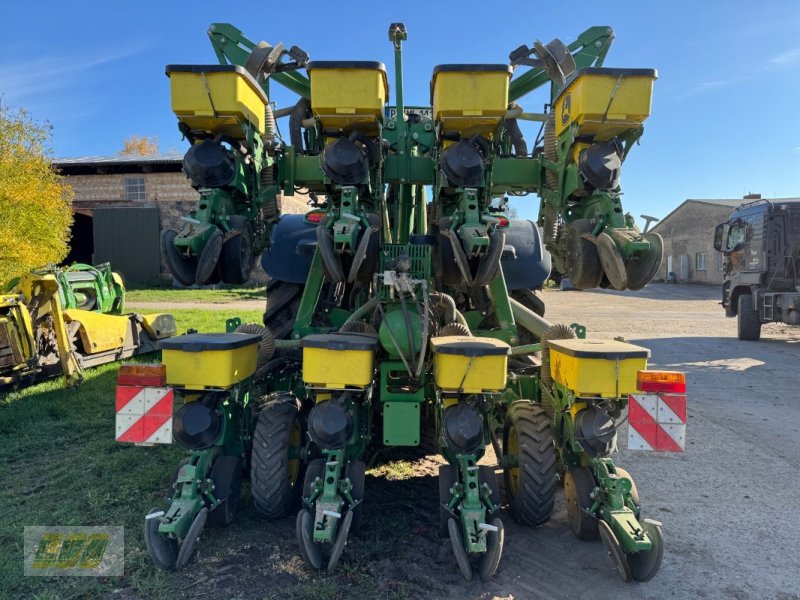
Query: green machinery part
{"x": 392, "y": 270}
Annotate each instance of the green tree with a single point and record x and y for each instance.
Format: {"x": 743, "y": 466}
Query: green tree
{"x": 35, "y": 203}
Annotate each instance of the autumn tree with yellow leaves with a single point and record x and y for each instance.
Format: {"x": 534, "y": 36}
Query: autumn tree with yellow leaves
{"x": 35, "y": 203}
{"x": 139, "y": 145}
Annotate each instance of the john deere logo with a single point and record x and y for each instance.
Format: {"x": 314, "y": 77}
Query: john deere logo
{"x": 74, "y": 551}
{"x": 566, "y": 107}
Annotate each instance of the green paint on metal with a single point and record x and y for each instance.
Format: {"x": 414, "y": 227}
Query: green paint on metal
{"x": 401, "y": 423}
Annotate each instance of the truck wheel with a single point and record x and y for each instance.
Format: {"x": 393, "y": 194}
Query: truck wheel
{"x": 276, "y": 470}
{"x": 531, "y": 484}
{"x": 748, "y": 322}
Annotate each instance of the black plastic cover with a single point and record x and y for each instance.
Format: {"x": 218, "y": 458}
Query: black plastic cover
{"x": 209, "y": 164}
{"x": 471, "y": 347}
{"x": 462, "y": 163}
{"x": 462, "y": 427}
{"x": 600, "y": 164}
{"x": 528, "y": 266}
{"x": 288, "y": 258}
{"x": 199, "y": 342}
{"x": 341, "y": 341}
{"x": 344, "y": 162}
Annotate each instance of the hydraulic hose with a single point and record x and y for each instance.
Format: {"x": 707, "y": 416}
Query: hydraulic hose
{"x": 529, "y": 319}
{"x": 362, "y": 310}
{"x": 296, "y": 117}
{"x": 442, "y": 299}
{"x": 269, "y": 125}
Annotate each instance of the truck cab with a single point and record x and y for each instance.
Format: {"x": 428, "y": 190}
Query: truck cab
{"x": 761, "y": 269}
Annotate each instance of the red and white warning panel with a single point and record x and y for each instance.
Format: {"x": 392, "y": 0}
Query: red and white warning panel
{"x": 657, "y": 414}
{"x": 143, "y": 405}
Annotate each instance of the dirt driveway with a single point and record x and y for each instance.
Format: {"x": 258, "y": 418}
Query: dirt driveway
{"x": 728, "y": 504}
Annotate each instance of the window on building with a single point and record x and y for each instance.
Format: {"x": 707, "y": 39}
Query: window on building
{"x": 133, "y": 188}
{"x": 700, "y": 261}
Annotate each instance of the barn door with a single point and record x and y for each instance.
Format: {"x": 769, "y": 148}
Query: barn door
{"x": 128, "y": 238}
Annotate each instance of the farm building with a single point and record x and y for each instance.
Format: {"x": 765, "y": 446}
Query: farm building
{"x": 688, "y": 233}
{"x": 121, "y": 205}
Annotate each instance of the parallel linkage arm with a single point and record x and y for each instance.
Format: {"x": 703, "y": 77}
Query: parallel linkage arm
{"x": 588, "y": 50}
{"x": 232, "y": 47}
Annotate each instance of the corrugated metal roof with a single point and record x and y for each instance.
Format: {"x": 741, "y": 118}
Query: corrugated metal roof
{"x": 119, "y": 160}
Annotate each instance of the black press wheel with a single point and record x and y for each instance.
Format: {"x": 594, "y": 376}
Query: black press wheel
{"x": 275, "y": 469}
{"x": 490, "y": 560}
{"x": 645, "y": 565}
{"x": 582, "y": 259}
{"x": 356, "y": 472}
{"x": 163, "y": 550}
{"x": 448, "y": 475}
{"x": 528, "y": 442}
{"x": 183, "y": 268}
{"x": 236, "y": 258}
{"x": 748, "y": 322}
{"x": 578, "y": 485}
{"x": 227, "y": 477}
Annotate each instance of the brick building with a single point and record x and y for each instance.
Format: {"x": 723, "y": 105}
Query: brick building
{"x": 121, "y": 205}
{"x": 688, "y": 233}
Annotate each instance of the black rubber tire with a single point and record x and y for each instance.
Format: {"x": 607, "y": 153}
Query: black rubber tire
{"x": 748, "y": 322}
{"x": 274, "y": 492}
{"x": 490, "y": 560}
{"x": 163, "y": 550}
{"x": 356, "y": 471}
{"x": 578, "y": 485}
{"x": 183, "y": 269}
{"x": 236, "y": 259}
{"x": 283, "y": 301}
{"x": 532, "y": 500}
{"x": 487, "y": 475}
{"x": 448, "y": 475}
{"x": 582, "y": 259}
{"x": 227, "y": 477}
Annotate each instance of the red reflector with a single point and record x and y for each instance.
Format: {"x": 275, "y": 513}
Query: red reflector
{"x": 315, "y": 216}
{"x": 661, "y": 381}
{"x": 503, "y": 222}
{"x": 142, "y": 375}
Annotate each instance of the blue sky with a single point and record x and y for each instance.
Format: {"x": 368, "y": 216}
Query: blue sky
{"x": 725, "y": 105}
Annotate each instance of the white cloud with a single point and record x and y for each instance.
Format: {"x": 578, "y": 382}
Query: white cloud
{"x": 786, "y": 59}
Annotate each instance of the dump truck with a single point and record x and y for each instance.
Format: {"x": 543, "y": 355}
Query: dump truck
{"x": 760, "y": 244}
{"x": 404, "y": 300}
{"x": 63, "y": 320}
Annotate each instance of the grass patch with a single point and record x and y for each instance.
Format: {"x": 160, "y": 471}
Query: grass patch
{"x": 215, "y": 296}
{"x": 61, "y": 466}
{"x": 209, "y": 320}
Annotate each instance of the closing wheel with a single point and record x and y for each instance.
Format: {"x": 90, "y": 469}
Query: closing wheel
{"x": 209, "y": 258}
{"x": 309, "y": 550}
{"x": 611, "y": 259}
{"x": 643, "y": 268}
{"x": 644, "y": 565}
{"x": 275, "y": 468}
{"x": 582, "y": 259}
{"x": 226, "y": 474}
{"x": 341, "y": 541}
{"x": 457, "y": 542}
{"x": 448, "y": 476}
{"x": 578, "y": 485}
{"x": 189, "y": 544}
{"x": 183, "y": 268}
{"x": 331, "y": 262}
{"x": 614, "y": 550}
{"x": 236, "y": 258}
{"x": 355, "y": 471}
{"x": 490, "y": 262}
{"x": 163, "y": 550}
{"x": 489, "y": 561}
{"x": 528, "y": 442}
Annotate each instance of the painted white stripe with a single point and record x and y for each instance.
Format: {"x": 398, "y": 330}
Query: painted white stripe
{"x": 142, "y": 402}
{"x": 666, "y": 414}
{"x": 649, "y": 402}
{"x": 135, "y": 406}
{"x": 676, "y": 432}
{"x": 162, "y": 435}
{"x": 125, "y": 422}
{"x": 636, "y": 441}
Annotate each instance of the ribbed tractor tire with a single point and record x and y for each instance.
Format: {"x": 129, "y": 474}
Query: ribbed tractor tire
{"x": 748, "y": 321}
{"x": 283, "y": 301}
{"x": 531, "y": 486}
{"x": 275, "y": 480}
